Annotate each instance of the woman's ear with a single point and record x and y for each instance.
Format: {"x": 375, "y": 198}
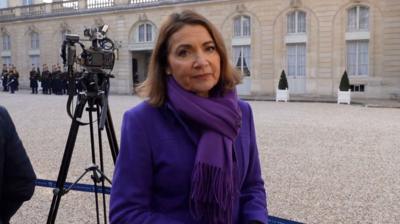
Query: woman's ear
{"x": 168, "y": 71}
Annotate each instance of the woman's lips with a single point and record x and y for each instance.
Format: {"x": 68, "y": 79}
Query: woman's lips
{"x": 202, "y": 76}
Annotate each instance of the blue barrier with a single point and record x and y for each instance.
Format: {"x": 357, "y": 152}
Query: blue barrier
{"x": 76, "y": 187}
{"x": 276, "y": 220}
{"x": 107, "y": 190}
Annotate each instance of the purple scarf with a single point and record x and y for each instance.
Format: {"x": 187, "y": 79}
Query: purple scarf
{"x": 214, "y": 175}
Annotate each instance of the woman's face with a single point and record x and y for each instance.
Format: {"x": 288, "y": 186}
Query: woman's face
{"x": 193, "y": 59}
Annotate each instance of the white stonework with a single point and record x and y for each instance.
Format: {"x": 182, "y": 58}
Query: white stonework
{"x": 325, "y": 39}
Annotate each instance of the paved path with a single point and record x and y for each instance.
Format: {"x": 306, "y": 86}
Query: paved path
{"x": 322, "y": 162}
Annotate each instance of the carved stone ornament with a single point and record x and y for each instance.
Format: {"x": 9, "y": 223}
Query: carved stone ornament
{"x": 3, "y": 29}
{"x": 143, "y": 17}
{"x": 64, "y": 26}
{"x": 32, "y": 28}
{"x": 98, "y": 22}
{"x": 295, "y": 3}
{"x": 241, "y": 8}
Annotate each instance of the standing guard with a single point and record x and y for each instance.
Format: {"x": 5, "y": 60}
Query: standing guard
{"x": 4, "y": 78}
{"x": 12, "y": 81}
{"x": 45, "y": 79}
{"x": 33, "y": 77}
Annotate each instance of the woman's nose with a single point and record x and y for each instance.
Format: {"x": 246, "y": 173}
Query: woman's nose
{"x": 200, "y": 60}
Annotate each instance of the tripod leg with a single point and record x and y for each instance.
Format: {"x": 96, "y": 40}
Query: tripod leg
{"x": 112, "y": 139}
{"x": 90, "y": 110}
{"x": 62, "y": 175}
{"x": 101, "y": 164}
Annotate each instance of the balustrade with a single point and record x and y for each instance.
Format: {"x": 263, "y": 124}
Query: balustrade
{"x": 75, "y": 6}
{"x": 65, "y": 6}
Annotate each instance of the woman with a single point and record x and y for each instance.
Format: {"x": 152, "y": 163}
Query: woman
{"x": 188, "y": 153}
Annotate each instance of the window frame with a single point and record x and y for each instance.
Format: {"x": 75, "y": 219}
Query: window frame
{"x": 145, "y": 36}
{"x": 3, "y": 58}
{"x": 356, "y": 27}
{"x": 35, "y": 40}
{"x": 6, "y": 42}
{"x": 296, "y": 21}
{"x": 35, "y": 60}
{"x": 357, "y": 58}
{"x": 297, "y": 66}
{"x": 242, "y": 19}
{"x": 243, "y": 60}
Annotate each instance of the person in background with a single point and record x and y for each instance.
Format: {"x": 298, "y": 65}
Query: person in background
{"x": 12, "y": 81}
{"x": 15, "y": 73}
{"x": 34, "y": 78}
{"x": 45, "y": 79}
{"x": 4, "y": 78}
{"x": 188, "y": 153}
{"x": 17, "y": 178}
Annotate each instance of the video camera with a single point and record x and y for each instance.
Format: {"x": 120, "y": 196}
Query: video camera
{"x": 100, "y": 55}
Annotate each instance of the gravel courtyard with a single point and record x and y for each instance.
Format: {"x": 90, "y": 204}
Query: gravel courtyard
{"x": 322, "y": 163}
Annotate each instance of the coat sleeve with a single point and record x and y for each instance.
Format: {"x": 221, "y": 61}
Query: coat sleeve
{"x": 18, "y": 182}
{"x": 131, "y": 192}
{"x": 253, "y": 195}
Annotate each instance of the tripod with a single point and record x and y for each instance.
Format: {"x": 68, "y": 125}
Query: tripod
{"x": 97, "y": 102}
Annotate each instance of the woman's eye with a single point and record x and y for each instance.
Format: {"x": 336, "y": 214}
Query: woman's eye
{"x": 183, "y": 53}
{"x": 210, "y": 49}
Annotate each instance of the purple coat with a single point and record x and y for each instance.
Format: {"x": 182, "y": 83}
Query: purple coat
{"x": 151, "y": 183}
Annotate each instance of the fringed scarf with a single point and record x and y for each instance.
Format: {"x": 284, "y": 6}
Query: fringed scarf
{"x": 214, "y": 176}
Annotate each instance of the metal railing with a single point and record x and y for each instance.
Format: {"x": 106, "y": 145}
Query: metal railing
{"x": 7, "y": 13}
{"x": 59, "y": 8}
{"x": 33, "y": 10}
{"x": 143, "y": 1}
{"x": 95, "y": 4}
{"x": 65, "y": 6}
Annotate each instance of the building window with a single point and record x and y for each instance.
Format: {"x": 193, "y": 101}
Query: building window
{"x": 357, "y": 88}
{"x": 3, "y": 4}
{"x": 6, "y": 42}
{"x": 242, "y": 27}
{"x": 27, "y": 2}
{"x": 296, "y": 22}
{"x": 242, "y": 59}
{"x": 6, "y": 60}
{"x": 145, "y": 33}
{"x": 35, "y": 60}
{"x": 357, "y": 57}
{"x": 296, "y": 59}
{"x": 358, "y": 19}
{"x": 35, "y": 40}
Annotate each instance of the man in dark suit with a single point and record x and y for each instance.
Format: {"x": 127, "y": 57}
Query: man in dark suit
{"x": 17, "y": 178}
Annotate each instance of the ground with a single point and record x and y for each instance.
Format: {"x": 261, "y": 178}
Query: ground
{"x": 322, "y": 162}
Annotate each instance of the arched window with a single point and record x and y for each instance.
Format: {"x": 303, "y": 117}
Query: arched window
{"x": 358, "y": 19}
{"x": 35, "y": 40}
{"x": 145, "y": 33}
{"x": 242, "y": 26}
{"x": 6, "y": 42}
{"x": 296, "y": 22}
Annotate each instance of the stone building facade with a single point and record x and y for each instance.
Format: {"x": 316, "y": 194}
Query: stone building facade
{"x": 313, "y": 41}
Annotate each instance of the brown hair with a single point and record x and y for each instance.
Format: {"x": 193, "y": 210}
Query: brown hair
{"x": 155, "y": 85}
